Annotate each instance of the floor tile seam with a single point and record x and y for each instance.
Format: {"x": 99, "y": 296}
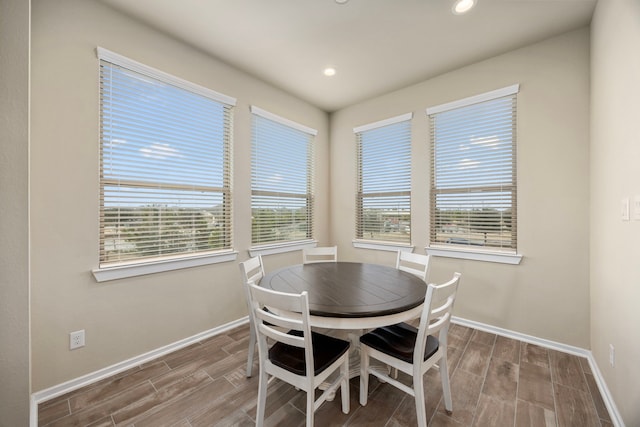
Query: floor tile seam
{"x": 474, "y": 373}
{"x": 91, "y": 408}
{"x": 495, "y": 338}
{"x": 528, "y": 402}
{"x": 219, "y": 398}
{"x": 553, "y": 390}
{"x": 396, "y": 410}
{"x": 222, "y": 345}
{"x": 515, "y": 415}
{"x": 52, "y": 421}
{"x": 55, "y": 401}
{"x": 155, "y": 408}
{"x": 464, "y": 350}
{"x": 88, "y": 388}
{"x": 583, "y": 393}
{"x": 295, "y": 409}
{"x": 591, "y": 393}
{"x": 135, "y": 384}
{"x": 155, "y": 389}
{"x": 484, "y": 381}
{"x": 188, "y": 373}
{"x": 158, "y": 408}
{"x": 571, "y": 386}
{"x": 608, "y": 418}
{"x": 486, "y": 368}
{"x": 200, "y": 347}
{"x": 207, "y": 373}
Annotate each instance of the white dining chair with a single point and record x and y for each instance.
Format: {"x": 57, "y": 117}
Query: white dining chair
{"x": 300, "y": 357}
{"x": 413, "y": 351}
{"x": 320, "y": 254}
{"x": 252, "y": 270}
{"x": 416, "y": 264}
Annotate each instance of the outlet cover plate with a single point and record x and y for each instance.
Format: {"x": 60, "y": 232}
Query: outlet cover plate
{"x": 76, "y": 339}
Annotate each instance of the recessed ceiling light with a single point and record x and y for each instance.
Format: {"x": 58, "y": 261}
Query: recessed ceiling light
{"x": 329, "y": 71}
{"x": 463, "y": 6}
{"x": 341, "y": 1}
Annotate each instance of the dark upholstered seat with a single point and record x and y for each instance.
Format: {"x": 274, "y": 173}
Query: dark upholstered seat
{"x": 399, "y": 341}
{"x": 326, "y": 350}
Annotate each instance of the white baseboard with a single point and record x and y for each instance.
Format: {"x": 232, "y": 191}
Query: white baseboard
{"x": 576, "y": 351}
{"x": 616, "y": 419}
{"x": 68, "y": 386}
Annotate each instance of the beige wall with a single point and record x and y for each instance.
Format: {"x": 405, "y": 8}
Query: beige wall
{"x": 547, "y": 295}
{"x": 14, "y": 213}
{"x": 125, "y": 318}
{"x": 615, "y": 174}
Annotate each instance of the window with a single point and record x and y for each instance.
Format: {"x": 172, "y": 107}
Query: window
{"x": 165, "y": 178}
{"x": 281, "y": 180}
{"x": 473, "y": 173}
{"x": 383, "y": 199}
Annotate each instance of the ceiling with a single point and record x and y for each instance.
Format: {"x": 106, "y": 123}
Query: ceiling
{"x": 376, "y": 46}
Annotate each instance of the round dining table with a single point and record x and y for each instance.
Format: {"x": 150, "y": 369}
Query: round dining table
{"x": 350, "y": 295}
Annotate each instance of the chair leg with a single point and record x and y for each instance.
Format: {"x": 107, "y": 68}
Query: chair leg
{"x": 344, "y": 387}
{"x": 418, "y": 391}
{"x": 252, "y": 349}
{"x": 262, "y": 398}
{"x": 446, "y": 388}
{"x": 310, "y": 405}
{"x": 364, "y": 375}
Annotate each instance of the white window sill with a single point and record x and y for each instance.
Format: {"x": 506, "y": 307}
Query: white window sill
{"x": 279, "y": 248}
{"x": 132, "y": 270}
{"x": 382, "y": 246}
{"x": 498, "y": 257}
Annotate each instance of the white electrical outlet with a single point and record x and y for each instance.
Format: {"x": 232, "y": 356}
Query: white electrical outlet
{"x": 76, "y": 339}
{"x": 624, "y": 209}
{"x": 612, "y": 355}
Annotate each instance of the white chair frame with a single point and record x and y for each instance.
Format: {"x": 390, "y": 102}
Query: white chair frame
{"x": 435, "y": 318}
{"x": 416, "y": 264}
{"x": 320, "y": 254}
{"x": 252, "y": 272}
{"x": 291, "y": 311}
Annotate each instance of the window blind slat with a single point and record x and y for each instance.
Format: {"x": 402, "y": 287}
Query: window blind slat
{"x": 473, "y": 176}
{"x": 164, "y": 168}
{"x": 281, "y": 179}
{"x": 383, "y": 200}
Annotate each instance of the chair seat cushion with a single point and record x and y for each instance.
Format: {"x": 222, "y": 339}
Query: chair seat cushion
{"x": 326, "y": 350}
{"x": 398, "y": 341}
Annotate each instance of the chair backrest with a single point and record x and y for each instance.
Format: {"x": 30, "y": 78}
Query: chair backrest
{"x": 252, "y": 272}
{"x": 416, "y": 264}
{"x": 320, "y": 254}
{"x": 436, "y": 315}
{"x": 285, "y": 311}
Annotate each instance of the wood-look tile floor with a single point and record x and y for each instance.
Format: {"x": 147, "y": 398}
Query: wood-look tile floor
{"x": 495, "y": 381}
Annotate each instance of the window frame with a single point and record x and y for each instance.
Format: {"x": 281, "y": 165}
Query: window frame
{"x": 178, "y": 259}
{"x": 467, "y": 251}
{"x": 289, "y": 126}
{"x": 381, "y": 244}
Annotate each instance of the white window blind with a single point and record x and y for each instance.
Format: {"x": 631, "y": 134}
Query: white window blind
{"x": 281, "y": 180}
{"x": 473, "y": 173}
{"x": 383, "y": 199}
{"x": 165, "y": 165}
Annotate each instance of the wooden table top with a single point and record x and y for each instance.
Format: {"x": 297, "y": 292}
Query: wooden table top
{"x": 350, "y": 290}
